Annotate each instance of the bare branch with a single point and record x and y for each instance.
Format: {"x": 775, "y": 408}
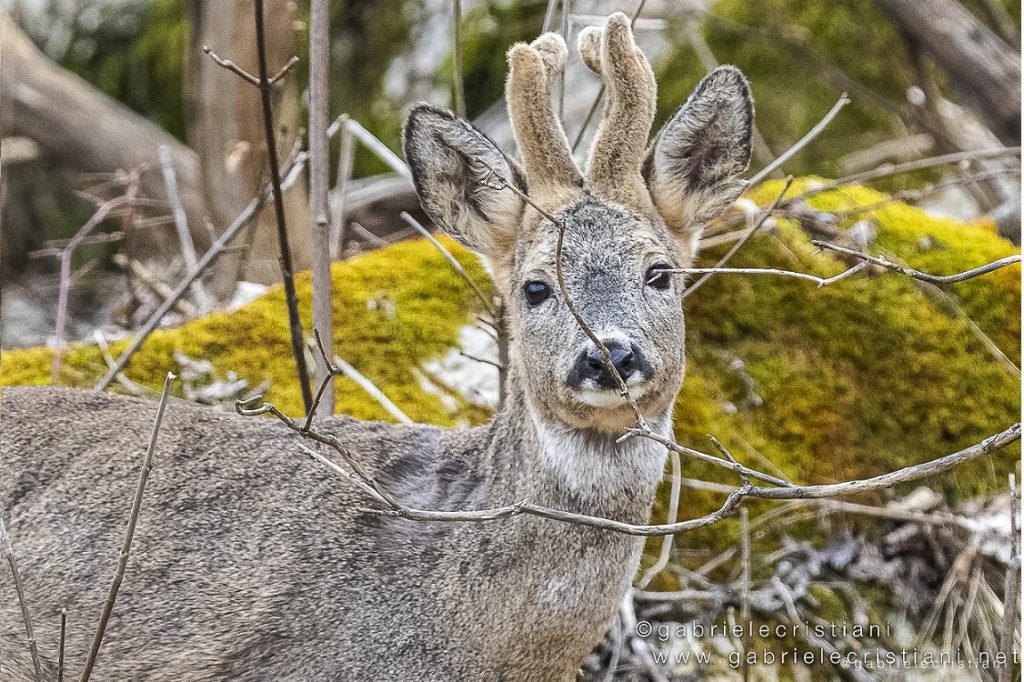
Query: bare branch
{"x": 284, "y": 248}
{"x": 253, "y": 407}
{"x": 738, "y": 245}
{"x": 886, "y": 170}
{"x": 456, "y": 265}
{"x": 319, "y": 162}
{"x": 801, "y": 143}
{"x": 292, "y": 61}
{"x": 8, "y": 551}
{"x": 232, "y": 67}
{"x": 188, "y": 248}
{"x": 882, "y": 261}
{"x": 126, "y": 545}
{"x": 458, "y": 85}
{"x": 1011, "y": 594}
{"x": 101, "y": 214}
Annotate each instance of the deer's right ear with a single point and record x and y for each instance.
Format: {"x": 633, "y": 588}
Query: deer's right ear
{"x": 447, "y": 157}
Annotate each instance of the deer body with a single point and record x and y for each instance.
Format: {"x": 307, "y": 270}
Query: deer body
{"x": 252, "y": 562}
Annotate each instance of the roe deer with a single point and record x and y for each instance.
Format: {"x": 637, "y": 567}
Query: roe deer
{"x": 252, "y": 562}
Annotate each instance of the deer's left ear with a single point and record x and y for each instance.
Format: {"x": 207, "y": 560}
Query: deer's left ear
{"x": 692, "y": 169}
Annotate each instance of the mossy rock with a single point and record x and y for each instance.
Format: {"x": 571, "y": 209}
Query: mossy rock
{"x": 870, "y": 374}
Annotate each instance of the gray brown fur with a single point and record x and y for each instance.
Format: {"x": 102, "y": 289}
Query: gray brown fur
{"x": 252, "y": 562}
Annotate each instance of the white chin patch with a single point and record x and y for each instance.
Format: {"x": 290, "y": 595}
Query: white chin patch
{"x": 609, "y": 397}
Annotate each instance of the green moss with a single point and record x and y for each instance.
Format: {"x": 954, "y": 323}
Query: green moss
{"x": 393, "y": 309}
{"x": 867, "y": 375}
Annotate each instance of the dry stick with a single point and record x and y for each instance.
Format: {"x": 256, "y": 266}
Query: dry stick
{"x": 665, "y": 553}
{"x": 341, "y": 368}
{"x": 745, "y": 589}
{"x": 865, "y": 261}
{"x": 211, "y": 255}
{"x": 801, "y": 143}
{"x": 319, "y": 202}
{"x": 129, "y": 534}
{"x": 8, "y": 551}
{"x": 249, "y": 407}
{"x": 346, "y": 160}
{"x": 285, "y": 251}
{"x": 345, "y": 369}
{"x": 885, "y": 170}
{"x": 600, "y": 92}
{"x": 917, "y": 274}
{"x": 951, "y": 303}
{"x": 458, "y": 85}
{"x": 456, "y": 265}
{"x": 383, "y": 152}
{"x": 99, "y": 216}
{"x": 1011, "y": 594}
{"x": 146, "y": 276}
{"x": 564, "y": 31}
{"x": 738, "y": 245}
{"x": 188, "y": 248}
{"x": 60, "y": 644}
{"x": 549, "y": 16}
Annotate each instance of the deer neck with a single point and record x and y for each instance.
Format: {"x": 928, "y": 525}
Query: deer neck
{"x": 576, "y": 469}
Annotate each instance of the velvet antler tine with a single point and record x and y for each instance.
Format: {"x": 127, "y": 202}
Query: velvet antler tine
{"x": 619, "y": 146}
{"x": 542, "y": 142}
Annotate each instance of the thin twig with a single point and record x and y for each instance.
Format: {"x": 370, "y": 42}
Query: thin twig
{"x": 458, "y": 85}
{"x": 101, "y": 214}
{"x": 188, "y": 248}
{"x": 8, "y": 551}
{"x": 564, "y": 31}
{"x": 129, "y": 534}
{"x": 882, "y": 261}
{"x": 338, "y": 367}
{"x": 381, "y": 150}
{"x": 801, "y": 143}
{"x": 265, "y": 87}
{"x": 888, "y": 169}
{"x": 292, "y": 61}
{"x": 143, "y": 274}
{"x": 60, "y": 644}
{"x": 456, "y": 265}
{"x": 232, "y": 67}
{"x": 1011, "y": 594}
{"x": 319, "y": 201}
{"x": 738, "y": 245}
{"x": 346, "y": 159}
{"x": 745, "y": 587}
{"x": 665, "y": 553}
{"x": 254, "y": 406}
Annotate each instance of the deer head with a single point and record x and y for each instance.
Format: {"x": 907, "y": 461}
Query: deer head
{"x": 636, "y": 209}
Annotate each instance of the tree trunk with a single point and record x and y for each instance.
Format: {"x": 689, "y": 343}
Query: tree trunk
{"x": 86, "y": 131}
{"x": 981, "y": 66}
{"x": 226, "y": 129}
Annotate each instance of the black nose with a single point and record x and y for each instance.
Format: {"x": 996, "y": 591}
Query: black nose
{"x": 590, "y": 365}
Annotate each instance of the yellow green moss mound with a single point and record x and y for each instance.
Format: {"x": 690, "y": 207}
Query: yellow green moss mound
{"x": 393, "y": 310}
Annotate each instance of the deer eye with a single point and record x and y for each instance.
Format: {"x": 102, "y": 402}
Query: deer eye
{"x": 658, "y": 277}
{"x": 536, "y": 293}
